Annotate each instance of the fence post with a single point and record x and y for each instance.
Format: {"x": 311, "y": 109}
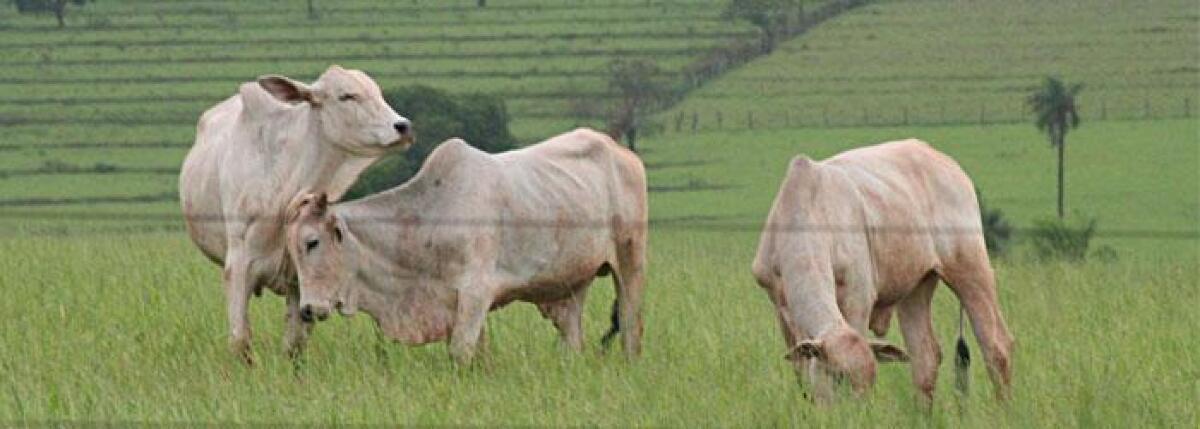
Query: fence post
{"x": 679, "y": 121}
{"x": 787, "y": 118}
{"x": 982, "y": 114}
{"x": 942, "y": 115}
{"x": 695, "y": 121}
{"x": 1187, "y": 107}
{"x": 720, "y": 119}
{"x": 905, "y": 115}
{"x": 750, "y": 119}
{"x": 866, "y": 119}
{"x": 825, "y": 115}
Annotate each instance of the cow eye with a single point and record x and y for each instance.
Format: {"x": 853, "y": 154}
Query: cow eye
{"x": 337, "y": 233}
{"x": 347, "y": 97}
{"x": 311, "y": 244}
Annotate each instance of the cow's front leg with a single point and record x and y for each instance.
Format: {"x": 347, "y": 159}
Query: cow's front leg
{"x": 567, "y": 315}
{"x": 238, "y": 287}
{"x": 468, "y": 325}
{"x": 297, "y": 329}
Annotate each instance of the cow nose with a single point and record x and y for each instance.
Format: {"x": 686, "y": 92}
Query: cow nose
{"x": 306, "y": 314}
{"x": 402, "y": 126}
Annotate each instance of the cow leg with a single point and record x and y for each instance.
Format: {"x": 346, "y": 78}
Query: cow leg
{"x": 468, "y": 325}
{"x": 629, "y": 278}
{"x": 567, "y": 315}
{"x": 975, "y": 285}
{"x": 297, "y": 329}
{"x": 238, "y": 287}
{"x": 916, "y": 322}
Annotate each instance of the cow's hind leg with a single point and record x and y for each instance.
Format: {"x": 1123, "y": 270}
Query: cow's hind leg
{"x": 629, "y": 278}
{"x": 916, "y": 322}
{"x": 567, "y": 315}
{"x": 975, "y": 285}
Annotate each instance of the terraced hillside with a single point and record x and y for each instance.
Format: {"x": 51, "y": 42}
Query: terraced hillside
{"x": 937, "y": 62}
{"x": 96, "y": 116}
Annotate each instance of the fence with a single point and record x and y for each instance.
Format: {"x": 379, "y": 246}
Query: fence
{"x": 707, "y": 119}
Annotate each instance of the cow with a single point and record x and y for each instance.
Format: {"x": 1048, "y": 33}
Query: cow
{"x": 256, "y": 150}
{"x": 851, "y": 239}
{"x": 472, "y": 232}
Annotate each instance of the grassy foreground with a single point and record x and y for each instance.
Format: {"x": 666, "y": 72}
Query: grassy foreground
{"x": 130, "y": 327}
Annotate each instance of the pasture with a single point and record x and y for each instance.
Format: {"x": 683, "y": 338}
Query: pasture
{"x": 953, "y": 62}
{"x": 113, "y": 316}
{"x": 129, "y": 326}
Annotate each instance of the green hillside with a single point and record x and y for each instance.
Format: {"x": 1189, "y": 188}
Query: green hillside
{"x": 959, "y": 61}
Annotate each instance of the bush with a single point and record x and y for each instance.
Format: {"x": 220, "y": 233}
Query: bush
{"x": 996, "y": 230}
{"x": 1056, "y": 239}
{"x": 481, "y": 120}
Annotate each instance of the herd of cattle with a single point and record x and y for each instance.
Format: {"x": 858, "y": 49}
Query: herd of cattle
{"x": 848, "y": 242}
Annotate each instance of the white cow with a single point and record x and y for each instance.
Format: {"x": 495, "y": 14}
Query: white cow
{"x": 851, "y": 237}
{"x": 253, "y": 153}
{"x": 473, "y": 232}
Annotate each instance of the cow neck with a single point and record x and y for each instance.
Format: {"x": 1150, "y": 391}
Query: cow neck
{"x": 312, "y": 163}
{"x": 403, "y": 303}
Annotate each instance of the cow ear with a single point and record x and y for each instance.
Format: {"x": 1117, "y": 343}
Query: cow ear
{"x": 296, "y": 206}
{"x": 806, "y": 349}
{"x": 887, "y": 352}
{"x": 320, "y": 202}
{"x": 285, "y": 90}
{"x": 337, "y": 228}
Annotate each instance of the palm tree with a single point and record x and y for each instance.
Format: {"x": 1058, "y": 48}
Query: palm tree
{"x": 1054, "y": 106}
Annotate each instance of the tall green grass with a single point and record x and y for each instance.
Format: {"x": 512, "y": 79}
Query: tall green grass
{"x": 131, "y": 328}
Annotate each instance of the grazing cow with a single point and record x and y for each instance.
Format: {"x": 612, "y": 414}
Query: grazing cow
{"x": 851, "y": 237}
{"x": 255, "y": 151}
{"x": 472, "y": 232}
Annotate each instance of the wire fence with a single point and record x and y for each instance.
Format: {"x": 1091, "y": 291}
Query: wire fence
{"x": 135, "y": 222}
{"x": 709, "y": 119}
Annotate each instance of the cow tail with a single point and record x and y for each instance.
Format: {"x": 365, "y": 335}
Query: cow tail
{"x": 616, "y": 325}
{"x": 962, "y": 359}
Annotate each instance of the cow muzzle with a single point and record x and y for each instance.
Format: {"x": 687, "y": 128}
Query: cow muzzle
{"x": 311, "y": 313}
{"x": 404, "y": 129}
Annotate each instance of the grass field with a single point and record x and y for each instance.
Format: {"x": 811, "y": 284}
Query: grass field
{"x": 130, "y": 327}
{"x": 934, "y": 62}
{"x": 113, "y": 316}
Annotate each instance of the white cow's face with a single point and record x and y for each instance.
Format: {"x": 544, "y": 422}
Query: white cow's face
{"x": 349, "y": 110}
{"x": 315, "y": 245}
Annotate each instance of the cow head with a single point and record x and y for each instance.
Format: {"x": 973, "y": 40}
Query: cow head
{"x": 349, "y": 110}
{"x": 844, "y": 353}
{"x": 315, "y": 239}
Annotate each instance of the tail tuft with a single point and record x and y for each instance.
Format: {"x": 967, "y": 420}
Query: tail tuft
{"x": 616, "y": 326}
{"x": 962, "y": 361}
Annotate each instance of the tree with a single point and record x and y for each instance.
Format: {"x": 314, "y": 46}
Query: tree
{"x": 640, "y": 90}
{"x": 481, "y": 120}
{"x": 1053, "y": 106}
{"x": 770, "y": 16}
{"x": 57, "y": 7}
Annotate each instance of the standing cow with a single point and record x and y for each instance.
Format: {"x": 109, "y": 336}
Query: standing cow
{"x": 256, "y": 150}
{"x": 472, "y": 232}
{"x": 851, "y": 237}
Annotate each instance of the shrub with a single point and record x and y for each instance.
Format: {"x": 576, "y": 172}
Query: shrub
{"x": 997, "y": 232}
{"x": 1055, "y": 239}
{"x": 481, "y": 120}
